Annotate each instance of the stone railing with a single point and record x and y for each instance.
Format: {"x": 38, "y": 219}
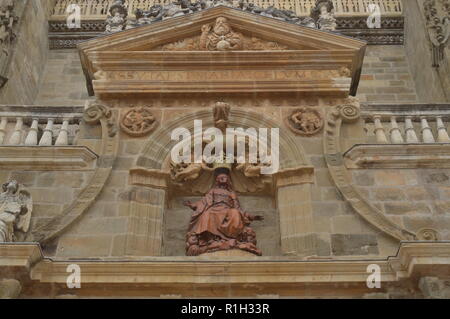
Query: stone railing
{"x": 39, "y": 126}
{"x": 386, "y": 124}
{"x": 402, "y": 136}
{"x": 98, "y": 9}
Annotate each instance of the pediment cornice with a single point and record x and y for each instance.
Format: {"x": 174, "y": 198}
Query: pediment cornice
{"x": 164, "y": 57}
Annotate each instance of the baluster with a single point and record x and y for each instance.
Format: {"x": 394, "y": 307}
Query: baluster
{"x": 427, "y": 134}
{"x": 16, "y": 137}
{"x": 411, "y": 136}
{"x": 32, "y": 137}
{"x": 441, "y": 131}
{"x": 379, "y": 131}
{"x": 3, "y": 124}
{"x": 396, "y": 135}
{"x": 46, "y": 139}
{"x": 63, "y": 137}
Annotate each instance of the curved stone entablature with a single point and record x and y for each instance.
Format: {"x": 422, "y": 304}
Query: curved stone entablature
{"x": 94, "y": 114}
{"x": 349, "y": 113}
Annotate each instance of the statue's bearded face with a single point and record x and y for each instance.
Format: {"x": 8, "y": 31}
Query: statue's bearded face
{"x": 222, "y": 179}
{"x": 221, "y": 27}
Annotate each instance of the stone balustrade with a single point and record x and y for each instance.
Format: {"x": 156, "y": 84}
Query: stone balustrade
{"x": 98, "y": 9}
{"x": 410, "y": 124}
{"x": 39, "y": 126}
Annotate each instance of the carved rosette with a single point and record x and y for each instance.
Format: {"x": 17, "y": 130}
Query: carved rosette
{"x": 305, "y": 121}
{"x": 137, "y": 122}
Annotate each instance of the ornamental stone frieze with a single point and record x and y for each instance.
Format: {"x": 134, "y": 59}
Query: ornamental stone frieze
{"x": 347, "y": 19}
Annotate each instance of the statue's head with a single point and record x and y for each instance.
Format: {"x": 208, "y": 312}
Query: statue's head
{"x": 10, "y": 187}
{"x": 222, "y": 179}
{"x": 222, "y": 27}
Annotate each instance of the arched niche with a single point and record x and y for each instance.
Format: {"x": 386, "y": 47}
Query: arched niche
{"x": 291, "y": 196}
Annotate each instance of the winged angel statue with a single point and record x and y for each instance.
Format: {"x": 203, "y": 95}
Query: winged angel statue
{"x": 16, "y": 206}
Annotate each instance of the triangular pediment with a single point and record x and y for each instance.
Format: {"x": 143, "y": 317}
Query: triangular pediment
{"x": 187, "y": 43}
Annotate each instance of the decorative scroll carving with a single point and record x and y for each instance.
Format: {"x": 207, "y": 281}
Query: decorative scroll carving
{"x": 219, "y": 222}
{"x": 138, "y": 121}
{"x": 350, "y": 113}
{"x": 437, "y": 15}
{"x": 7, "y": 22}
{"x": 94, "y": 114}
{"x": 305, "y": 121}
{"x": 428, "y": 234}
{"x": 16, "y": 207}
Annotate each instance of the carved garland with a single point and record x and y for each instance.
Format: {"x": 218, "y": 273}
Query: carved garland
{"x": 350, "y": 113}
{"x": 95, "y": 114}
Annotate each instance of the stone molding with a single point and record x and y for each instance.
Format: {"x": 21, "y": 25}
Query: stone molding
{"x": 180, "y": 273}
{"x": 398, "y": 156}
{"x": 43, "y": 158}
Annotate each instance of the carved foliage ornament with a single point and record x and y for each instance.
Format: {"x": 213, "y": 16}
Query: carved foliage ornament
{"x": 139, "y": 121}
{"x": 437, "y": 16}
{"x": 305, "y": 121}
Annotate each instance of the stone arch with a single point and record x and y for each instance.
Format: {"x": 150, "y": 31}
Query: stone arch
{"x": 157, "y": 149}
{"x": 292, "y": 183}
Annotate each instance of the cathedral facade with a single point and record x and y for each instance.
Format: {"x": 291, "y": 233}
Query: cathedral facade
{"x": 257, "y": 149}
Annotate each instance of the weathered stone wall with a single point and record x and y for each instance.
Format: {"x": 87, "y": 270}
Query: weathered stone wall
{"x": 414, "y": 198}
{"x": 386, "y": 76}
{"x": 29, "y": 55}
{"x": 63, "y": 80}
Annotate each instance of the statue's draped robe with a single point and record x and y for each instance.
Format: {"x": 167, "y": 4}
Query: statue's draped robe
{"x": 218, "y": 213}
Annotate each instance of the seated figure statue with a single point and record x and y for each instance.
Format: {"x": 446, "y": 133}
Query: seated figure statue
{"x": 219, "y": 222}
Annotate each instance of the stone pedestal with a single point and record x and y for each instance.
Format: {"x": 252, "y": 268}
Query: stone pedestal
{"x": 229, "y": 253}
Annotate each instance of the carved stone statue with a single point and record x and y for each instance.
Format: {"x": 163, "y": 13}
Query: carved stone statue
{"x": 221, "y": 37}
{"x": 221, "y": 113}
{"x": 323, "y": 14}
{"x": 15, "y": 211}
{"x": 219, "y": 222}
{"x": 117, "y": 17}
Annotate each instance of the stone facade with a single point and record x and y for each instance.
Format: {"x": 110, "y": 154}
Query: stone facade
{"x": 363, "y": 179}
